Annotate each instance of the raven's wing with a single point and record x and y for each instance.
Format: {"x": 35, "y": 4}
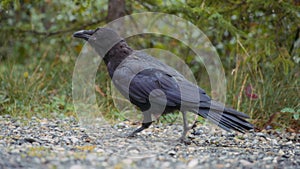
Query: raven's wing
{"x": 159, "y": 84}
{"x": 165, "y": 90}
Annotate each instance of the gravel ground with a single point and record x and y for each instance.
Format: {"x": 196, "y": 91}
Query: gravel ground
{"x": 63, "y": 143}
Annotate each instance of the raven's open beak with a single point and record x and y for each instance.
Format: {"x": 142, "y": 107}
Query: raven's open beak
{"x": 84, "y": 34}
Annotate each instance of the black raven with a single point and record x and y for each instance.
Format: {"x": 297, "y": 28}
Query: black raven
{"x": 155, "y": 87}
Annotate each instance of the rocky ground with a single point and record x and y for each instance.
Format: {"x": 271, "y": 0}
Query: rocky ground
{"x": 63, "y": 143}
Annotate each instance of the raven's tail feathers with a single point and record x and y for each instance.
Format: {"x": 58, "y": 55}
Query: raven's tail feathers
{"x": 228, "y": 119}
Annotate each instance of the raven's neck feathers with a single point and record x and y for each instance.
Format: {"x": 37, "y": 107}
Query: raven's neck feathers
{"x": 116, "y": 55}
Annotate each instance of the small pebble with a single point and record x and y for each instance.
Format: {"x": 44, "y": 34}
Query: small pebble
{"x": 193, "y": 163}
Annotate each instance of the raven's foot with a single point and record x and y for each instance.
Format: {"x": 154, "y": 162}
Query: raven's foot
{"x": 131, "y": 135}
{"x": 185, "y": 140}
{"x": 143, "y": 127}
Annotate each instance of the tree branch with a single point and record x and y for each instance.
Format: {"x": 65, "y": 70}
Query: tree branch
{"x": 47, "y": 34}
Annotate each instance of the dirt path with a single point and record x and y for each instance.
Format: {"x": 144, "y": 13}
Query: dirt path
{"x": 62, "y": 143}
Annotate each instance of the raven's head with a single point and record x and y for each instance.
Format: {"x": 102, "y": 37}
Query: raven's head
{"x": 101, "y": 39}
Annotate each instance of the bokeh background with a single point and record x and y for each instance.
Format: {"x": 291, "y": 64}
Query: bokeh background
{"x": 258, "y": 43}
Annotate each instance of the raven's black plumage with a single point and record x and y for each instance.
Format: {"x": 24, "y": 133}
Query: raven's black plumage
{"x": 155, "y": 87}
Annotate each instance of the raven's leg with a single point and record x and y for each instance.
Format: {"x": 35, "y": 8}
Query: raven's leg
{"x": 185, "y": 126}
{"x": 146, "y": 123}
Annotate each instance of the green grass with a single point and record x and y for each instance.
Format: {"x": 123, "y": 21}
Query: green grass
{"x": 41, "y": 85}
{"x": 35, "y": 88}
{"x": 276, "y": 90}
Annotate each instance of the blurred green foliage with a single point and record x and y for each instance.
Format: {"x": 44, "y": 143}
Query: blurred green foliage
{"x": 256, "y": 40}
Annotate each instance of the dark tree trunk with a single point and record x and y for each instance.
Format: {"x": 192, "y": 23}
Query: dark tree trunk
{"x": 116, "y": 9}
